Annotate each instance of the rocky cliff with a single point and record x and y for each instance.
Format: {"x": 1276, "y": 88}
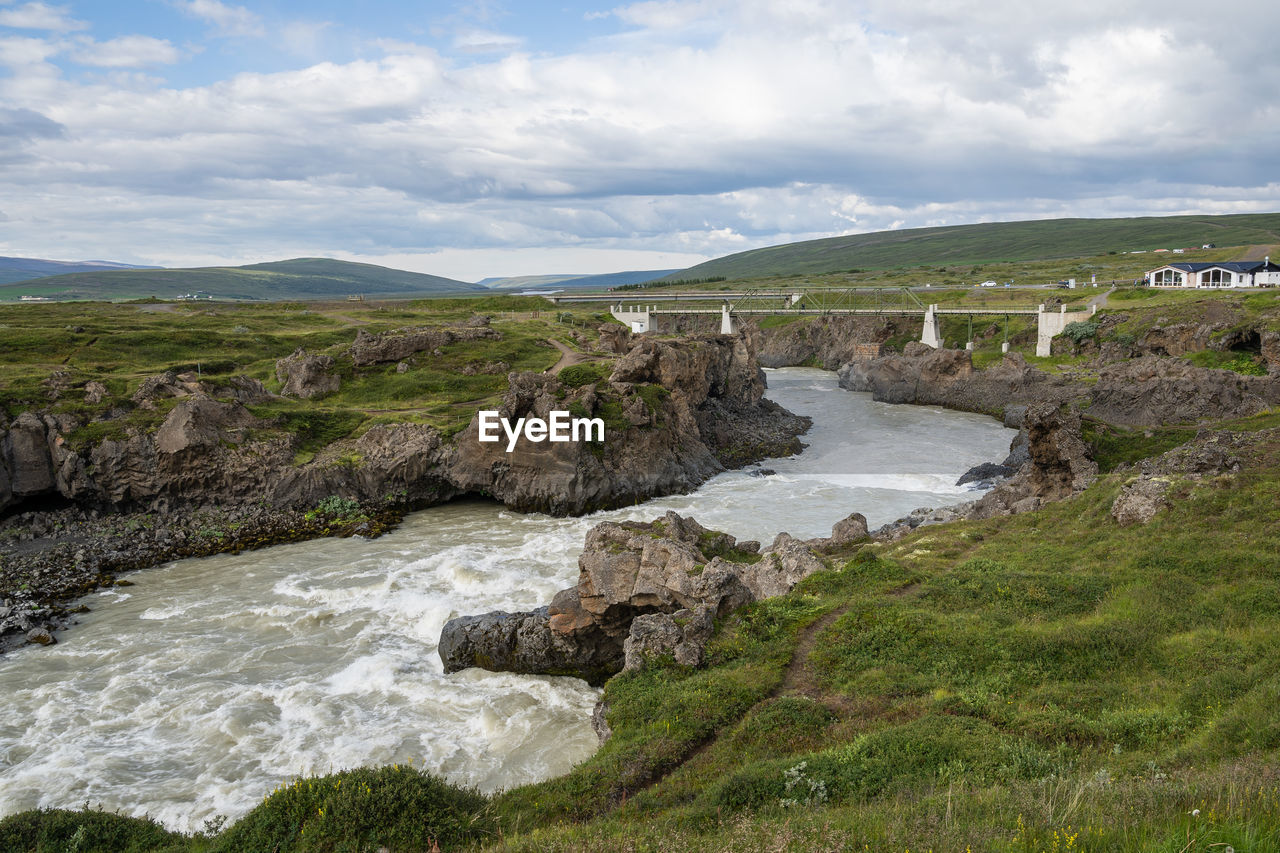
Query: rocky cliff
{"x": 675, "y": 412}
{"x": 1136, "y": 392}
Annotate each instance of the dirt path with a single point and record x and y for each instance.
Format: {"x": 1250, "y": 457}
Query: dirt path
{"x": 568, "y": 357}
{"x": 798, "y": 679}
{"x": 1101, "y": 299}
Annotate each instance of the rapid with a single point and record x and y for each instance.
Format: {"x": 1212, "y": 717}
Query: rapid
{"x": 199, "y": 689}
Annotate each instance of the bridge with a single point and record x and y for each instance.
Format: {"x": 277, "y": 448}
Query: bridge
{"x": 844, "y": 301}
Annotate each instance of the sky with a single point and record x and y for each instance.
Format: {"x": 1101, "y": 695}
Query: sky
{"x": 492, "y": 138}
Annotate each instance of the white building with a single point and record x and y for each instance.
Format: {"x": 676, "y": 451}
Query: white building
{"x": 1216, "y": 274}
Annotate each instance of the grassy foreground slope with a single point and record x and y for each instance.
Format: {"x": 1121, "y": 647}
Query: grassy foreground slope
{"x": 300, "y": 278}
{"x": 1043, "y": 682}
{"x": 992, "y": 242}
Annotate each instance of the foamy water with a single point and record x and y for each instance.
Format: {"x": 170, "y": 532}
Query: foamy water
{"x": 198, "y": 690}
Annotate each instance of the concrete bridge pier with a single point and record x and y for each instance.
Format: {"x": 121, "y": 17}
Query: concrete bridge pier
{"x": 636, "y": 317}
{"x": 1050, "y": 324}
{"x": 728, "y": 323}
{"x": 932, "y": 334}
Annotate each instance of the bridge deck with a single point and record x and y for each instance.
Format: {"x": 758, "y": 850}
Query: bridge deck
{"x": 815, "y": 312}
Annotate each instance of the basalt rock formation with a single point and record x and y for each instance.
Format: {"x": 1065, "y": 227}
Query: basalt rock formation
{"x": 828, "y": 341}
{"x": 644, "y": 589}
{"x": 306, "y": 376}
{"x": 397, "y": 346}
{"x": 1152, "y": 391}
{"x": 944, "y": 377}
{"x": 1137, "y": 392}
{"x": 675, "y": 413}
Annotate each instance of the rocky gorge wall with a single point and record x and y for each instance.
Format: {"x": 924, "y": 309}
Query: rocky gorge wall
{"x": 676, "y": 412}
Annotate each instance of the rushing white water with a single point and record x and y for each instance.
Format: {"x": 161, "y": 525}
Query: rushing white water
{"x": 198, "y": 690}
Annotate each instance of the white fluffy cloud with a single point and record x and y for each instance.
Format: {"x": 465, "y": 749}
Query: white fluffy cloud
{"x": 39, "y": 16}
{"x": 705, "y": 127}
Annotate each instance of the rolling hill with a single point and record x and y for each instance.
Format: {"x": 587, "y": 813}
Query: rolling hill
{"x": 300, "y": 278}
{"x": 601, "y": 280}
{"x": 992, "y": 242}
{"x": 22, "y": 269}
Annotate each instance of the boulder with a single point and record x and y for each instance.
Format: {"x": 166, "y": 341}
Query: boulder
{"x": 24, "y": 451}
{"x": 1140, "y": 499}
{"x": 306, "y": 376}
{"x": 41, "y": 636}
{"x": 202, "y": 422}
{"x": 683, "y": 635}
{"x": 94, "y": 392}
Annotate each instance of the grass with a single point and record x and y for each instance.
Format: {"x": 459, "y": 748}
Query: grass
{"x": 1046, "y": 681}
{"x": 121, "y": 344}
{"x": 996, "y": 242}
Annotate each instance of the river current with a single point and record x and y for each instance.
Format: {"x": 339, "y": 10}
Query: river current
{"x": 209, "y": 682}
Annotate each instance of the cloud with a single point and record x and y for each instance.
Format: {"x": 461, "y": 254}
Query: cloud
{"x": 39, "y": 16}
{"x": 227, "y": 20}
{"x": 28, "y": 124}
{"x": 126, "y": 52}
{"x": 706, "y": 128}
{"x": 484, "y": 41}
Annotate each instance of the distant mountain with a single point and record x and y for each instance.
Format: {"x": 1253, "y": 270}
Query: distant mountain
{"x": 990, "y": 242}
{"x": 300, "y": 278}
{"x": 601, "y": 281}
{"x": 21, "y": 269}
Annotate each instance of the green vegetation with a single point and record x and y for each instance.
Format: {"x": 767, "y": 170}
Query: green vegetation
{"x": 300, "y": 278}
{"x": 994, "y": 242}
{"x": 586, "y": 373}
{"x": 52, "y": 350}
{"x": 1240, "y": 362}
{"x": 1113, "y": 446}
{"x": 1046, "y": 681}
{"x": 397, "y": 807}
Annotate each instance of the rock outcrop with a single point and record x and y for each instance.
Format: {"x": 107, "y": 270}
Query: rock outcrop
{"x": 675, "y": 414}
{"x": 398, "y": 346}
{"x": 1140, "y": 500}
{"x": 306, "y": 376}
{"x": 945, "y": 377}
{"x": 1152, "y": 391}
{"x": 643, "y": 589}
{"x": 829, "y": 341}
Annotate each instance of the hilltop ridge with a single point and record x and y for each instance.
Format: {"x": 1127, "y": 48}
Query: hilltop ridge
{"x": 988, "y": 242}
{"x": 296, "y": 278}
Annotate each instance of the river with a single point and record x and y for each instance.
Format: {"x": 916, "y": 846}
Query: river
{"x": 199, "y": 689}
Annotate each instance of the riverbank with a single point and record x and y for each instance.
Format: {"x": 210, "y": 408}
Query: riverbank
{"x": 151, "y": 466}
{"x": 49, "y": 560}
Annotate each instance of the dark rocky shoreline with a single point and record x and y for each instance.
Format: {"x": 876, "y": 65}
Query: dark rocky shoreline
{"x": 48, "y": 560}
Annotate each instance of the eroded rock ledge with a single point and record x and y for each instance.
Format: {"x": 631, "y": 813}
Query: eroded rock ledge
{"x": 676, "y": 413}
{"x": 644, "y": 590}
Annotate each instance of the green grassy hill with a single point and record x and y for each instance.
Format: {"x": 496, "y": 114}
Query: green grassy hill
{"x": 300, "y": 278}
{"x": 992, "y": 242}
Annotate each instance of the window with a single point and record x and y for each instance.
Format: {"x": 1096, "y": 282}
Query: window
{"x": 1167, "y": 278}
{"x": 1216, "y": 278}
